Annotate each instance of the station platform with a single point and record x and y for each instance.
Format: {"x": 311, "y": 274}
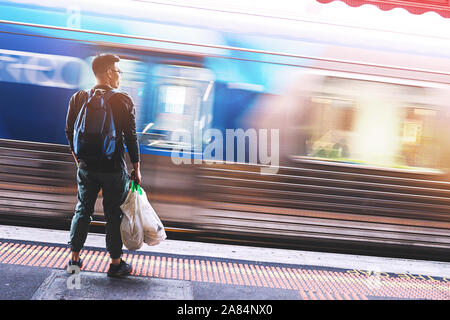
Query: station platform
{"x": 33, "y": 263}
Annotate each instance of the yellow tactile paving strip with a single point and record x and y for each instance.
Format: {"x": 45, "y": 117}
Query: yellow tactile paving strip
{"x": 312, "y": 283}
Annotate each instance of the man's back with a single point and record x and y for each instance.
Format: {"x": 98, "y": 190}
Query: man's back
{"x": 124, "y": 120}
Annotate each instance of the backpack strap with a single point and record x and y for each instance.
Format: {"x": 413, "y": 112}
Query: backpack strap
{"x": 90, "y": 93}
{"x": 109, "y": 94}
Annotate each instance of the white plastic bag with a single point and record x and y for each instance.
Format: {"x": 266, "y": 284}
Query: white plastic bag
{"x": 154, "y": 232}
{"x": 131, "y": 226}
{"x": 140, "y": 223}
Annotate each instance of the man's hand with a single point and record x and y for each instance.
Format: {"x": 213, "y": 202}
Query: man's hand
{"x": 136, "y": 173}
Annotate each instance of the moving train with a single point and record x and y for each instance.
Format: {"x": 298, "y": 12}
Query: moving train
{"x": 318, "y": 129}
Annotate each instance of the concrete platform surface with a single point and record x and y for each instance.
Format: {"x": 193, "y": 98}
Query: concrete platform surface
{"x": 96, "y": 286}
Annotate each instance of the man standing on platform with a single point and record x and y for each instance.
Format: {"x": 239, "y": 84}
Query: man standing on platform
{"x": 102, "y": 165}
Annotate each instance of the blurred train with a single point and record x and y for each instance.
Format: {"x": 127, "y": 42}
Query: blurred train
{"x": 349, "y": 125}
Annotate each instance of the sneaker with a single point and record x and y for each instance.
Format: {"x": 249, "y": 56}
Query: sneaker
{"x": 119, "y": 270}
{"x": 74, "y": 266}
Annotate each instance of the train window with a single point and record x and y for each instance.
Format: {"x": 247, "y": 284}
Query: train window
{"x": 370, "y": 123}
{"x": 182, "y": 101}
{"x": 173, "y": 99}
{"x": 177, "y": 109}
{"x": 418, "y": 143}
{"x": 333, "y": 120}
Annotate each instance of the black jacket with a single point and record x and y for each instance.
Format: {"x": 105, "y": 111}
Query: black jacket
{"x": 125, "y": 124}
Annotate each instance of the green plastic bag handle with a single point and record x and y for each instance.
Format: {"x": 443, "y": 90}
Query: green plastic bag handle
{"x": 135, "y": 187}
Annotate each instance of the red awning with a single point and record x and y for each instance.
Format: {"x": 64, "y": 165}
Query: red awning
{"x": 441, "y": 7}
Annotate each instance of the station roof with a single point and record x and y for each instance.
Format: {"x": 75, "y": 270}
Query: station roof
{"x": 442, "y": 7}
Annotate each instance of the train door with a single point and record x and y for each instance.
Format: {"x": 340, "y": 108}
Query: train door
{"x": 177, "y": 112}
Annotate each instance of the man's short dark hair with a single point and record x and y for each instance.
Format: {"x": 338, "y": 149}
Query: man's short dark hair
{"x": 102, "y": 62}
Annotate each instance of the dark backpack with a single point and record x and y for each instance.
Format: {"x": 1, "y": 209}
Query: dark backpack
{"x": 94, "y": 133}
